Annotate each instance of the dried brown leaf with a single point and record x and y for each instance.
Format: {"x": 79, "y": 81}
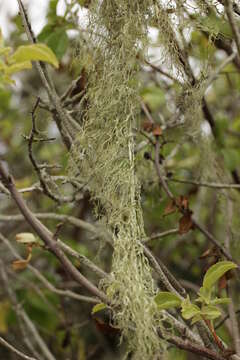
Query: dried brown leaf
{"x": 157, "y": 131}
{"x": 170, "y": 208}
{"x": 185, "y": 223}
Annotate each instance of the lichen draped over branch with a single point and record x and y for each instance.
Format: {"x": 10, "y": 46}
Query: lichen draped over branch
{"x": 104, "y": 157}
{"x": 103, "y": 154}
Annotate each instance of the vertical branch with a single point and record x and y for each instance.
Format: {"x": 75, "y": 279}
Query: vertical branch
{"x": 232, "y": 22}
{"x": 231, "y": 309}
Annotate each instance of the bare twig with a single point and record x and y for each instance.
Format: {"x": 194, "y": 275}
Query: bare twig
{"x": 14, "y": 350}
{"x": 165, "y": 280}
{"x": 195, "y": 348}
{"x": 22, "y": 314}
{"x": 229, "y": 10}
{"x": 205, "y": 184}
{"x": 66, "y": 124}
{"x": 231, "y": 309}
{"x": 157, "y": 235}
{"x": 3, "y": 189}
{"x": 163, "y": 182}
{"x": 49, "y": 286}
{"x": 47, "y": 237}
{"x": 162, "y": 72}
{"x": 37, "y": 167}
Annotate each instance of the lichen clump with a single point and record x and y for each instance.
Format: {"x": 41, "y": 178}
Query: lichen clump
{"x": 103, "y": 153}
{"x": 103, "y": 156}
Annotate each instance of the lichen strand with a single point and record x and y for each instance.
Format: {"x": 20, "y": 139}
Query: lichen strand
{"x": 103, "y": 155}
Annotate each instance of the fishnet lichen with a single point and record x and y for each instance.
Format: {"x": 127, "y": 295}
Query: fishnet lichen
{"x": 103, "y": 155}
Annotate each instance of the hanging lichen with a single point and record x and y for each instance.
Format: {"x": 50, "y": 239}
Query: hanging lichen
{"x": 103, "y": 156}
{"x": 103, "y": 153}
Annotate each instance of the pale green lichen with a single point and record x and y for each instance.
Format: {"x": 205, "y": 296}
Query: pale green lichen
{"x": 103, "y": 153}
{"x": 103, "y": 156}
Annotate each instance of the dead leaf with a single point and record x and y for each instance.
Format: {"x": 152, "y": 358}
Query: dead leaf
{"x": 182, "y": 202}
{"x": 26, "y": 238}
{"x": 157, "y": 131}
{"x": 147, "y": 126}
{"x": 211, "y": 252}
{"x": 22, "y": 264}
{"x": 170, "y": 208}
{"x": 222, "y": 283}
{"x": 105, "y": 328}
{"x": 19, "y": 265}
{"x": 185, "y": 223}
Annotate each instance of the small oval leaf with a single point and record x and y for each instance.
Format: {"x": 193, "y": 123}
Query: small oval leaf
{"x": 98, "y": 307}
{"x": 35, "y": 52}
{"x": 190, "y": 311}
{"x": 220, "y": 301}
{"x": 210, "y": 312}
{"x": 167, "y": 300}
{"x": 216, "y": 271}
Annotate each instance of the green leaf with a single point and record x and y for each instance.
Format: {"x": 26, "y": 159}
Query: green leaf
{"x": 210, "y": 312}
{"x": 35, "y": 52}
{"x": 45, "y": 33}
{"x": 204, "y": 295}
{"x": 189, "y": 310}
{"x": 167, "y": 300}
{"x": 98, "y": 307}
{"x": 220, "y": 301}
{"x": 5, "y": 51}
{"x": 231, "y": 158}
{"x": 216, "y": 271}
{"x": 57, "y": 41}
{"x": 19, "y": 66}
{"x": 153, "y": 96}
{"x": 196, "y": 318}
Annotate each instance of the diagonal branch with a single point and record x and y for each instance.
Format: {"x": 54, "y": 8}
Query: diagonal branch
{"x": 207, "y": 234}
{"x": 47, "y": 236}
{"x": 14, "y": 350}
{"x": 66, "y": 124}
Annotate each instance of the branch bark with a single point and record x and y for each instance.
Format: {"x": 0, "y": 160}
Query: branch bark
{"x": 47, "y": 236}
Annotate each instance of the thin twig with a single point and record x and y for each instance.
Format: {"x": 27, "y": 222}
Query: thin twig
{"x": 24, "y": 317}
{"x": 205, "y": 184}
{"x": 156, "y": 235}
{"x": 163, "y": 182}
{"x": 229, "y": 10}
{"x": 66, "y": 124}
{"x": 37, "y": 167}
{"x": 178, "y": 290}
{"x": 47, "y": 236}
{"x": 195, "y": 348}
{"x": 49, "y": 286}
{"x": 14, "y": 350}
{"x": 159, "y": 70}
{"x": 230, "y": 290}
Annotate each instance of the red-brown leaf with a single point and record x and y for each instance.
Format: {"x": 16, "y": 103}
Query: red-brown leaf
{"x": 170, "y": 208}
{"x": 147, "y": 125}
{"x": 157, "y": 131}
{"x": 185, "y": 224}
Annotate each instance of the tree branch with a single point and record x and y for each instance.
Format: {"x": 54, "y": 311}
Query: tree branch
{"x": 14, "y": 350}
{"x": 47, "y": 236}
